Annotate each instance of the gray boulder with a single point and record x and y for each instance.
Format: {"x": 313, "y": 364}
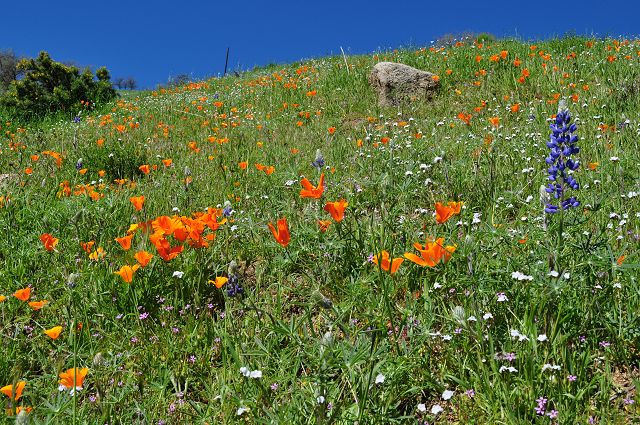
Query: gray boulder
{"x": 396, "y": 83}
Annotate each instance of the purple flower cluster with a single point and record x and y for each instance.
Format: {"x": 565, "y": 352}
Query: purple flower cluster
{"x": 563, "y": 144}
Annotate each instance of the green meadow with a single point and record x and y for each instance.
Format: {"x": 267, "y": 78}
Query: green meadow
{"x": 182, "y": 255}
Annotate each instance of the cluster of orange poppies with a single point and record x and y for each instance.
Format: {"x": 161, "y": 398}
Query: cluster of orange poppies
{"x": 432, "y": 253}
{"x": 183, "y": 229}
{"x": 24, "y": 295}
{"x": 281, "y": 233}
{"x": 71, "y": 379}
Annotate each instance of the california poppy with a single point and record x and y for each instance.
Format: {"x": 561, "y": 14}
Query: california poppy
{"x": 220, "y": 281}
{"x": 2, "y": 298}
{"x": 72, "y": 379}
{"x": 48, "y": 241}
{"x": 324, "y": 225}
{"x": 445, "y": 212}
{"x": 143, "y": 258}
{"x": 54, "y": 332}
{"x": 310, "y": 191}
{"x": 431, "y": 253}
{"x": 23, "y": 294}
{"x": 137, "y": 201}
{"x": 125, "y": 241}
{"x": 281, "y": 235}
{"x": 336, "y": 209}
{"x": 243, "y": 165}
{"x": 386, "y": 263}
{"x": 13, "y": 394}
{"x": 495, "y": 121}
{"x": 126, "y": 272}
{"x": 37, "y": 305}
{"x": 145, "y": 168}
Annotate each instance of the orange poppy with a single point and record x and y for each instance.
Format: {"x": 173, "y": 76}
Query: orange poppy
{"x": 125, "y": 241}
{"x": 281, "y": 235}
{"x": 137, "y": 201}
{"x": 54, "y": 332}
{"x": 37, "y": 305}
{"x": 431, "y": 253}
{"x": 466, "y": 118}
{"x": 48, "y": 241}
{"x": 167, "y": 162}
{"x": 220, "y": 281}
{"x": 445, "y": 212}
{"x": 72, "y": 379}
{"x": 331, "y": 130}
{"x": 243, "y": 165}
{"x": 495, "y": 121}
{"x": 145, "y": 169}
{"x": 2, "y": 298}
{"x": 28, "y": 171}
{"x": 386, "y": 263}
{"x": 97, "y": 254}
{"x": 324, "y": 225}
{"x": 143, "y": 258}
{"x": 515, "y": 107}
{"x": 126, "y": 272}
{"x": 9, "y": 391}
{"x": 310, "y": 191}
{"x": 336, "y": 209}
{"x": 23, "y": 294}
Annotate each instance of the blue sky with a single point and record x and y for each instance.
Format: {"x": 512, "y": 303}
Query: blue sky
{"x": 153, "y": 40}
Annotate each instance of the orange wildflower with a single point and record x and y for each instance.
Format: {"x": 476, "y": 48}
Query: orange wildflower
{"x": 97, "y": 254}
{"x": 495, "y": 121}
{"x": 310, "y": 191}
{"x": 281, "y": 235}
{"x": 336, "y": 209}
{"x": 13, "y": 394}
{"x": 219, "y": 281}
{"x": 23, "y": 294}
{"x": 431, "y": 253}
{"x": 324, "y": 225}
{"x": 28, "y": 171}
{"x": 445, "y": 212}
{"x": 386, "y": 263}
{"x": 48, "y": 241}
{"x": 167, "y": 162}
{"x": 54, "y": 332}
{"x": 143, "y": 258}
{"x": 145, "y": 168}
{"x": 593, "y": 166}
{"x": 137, "y": 201}
{"x": 2, "y": 298}
{"x": 72, "y": 379}
{"x": 243, "y": 165}
{"x": 37, "y": 305}
{"x": 125, "y": 241}
{"x": 466, "y": 118}
{"x": 126, "y": 272}
{"x": 515, "y": 107}
{"x": 331, "y": 130}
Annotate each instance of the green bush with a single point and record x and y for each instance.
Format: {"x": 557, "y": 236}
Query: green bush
{"x": 50, "y": 87}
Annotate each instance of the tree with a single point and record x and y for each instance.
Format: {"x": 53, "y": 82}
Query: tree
{"x": 8, "y": 68}
{"x": 49, "y": 86}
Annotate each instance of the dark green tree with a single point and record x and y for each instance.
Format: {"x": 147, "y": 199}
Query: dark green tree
{"x": 49, "y": 87}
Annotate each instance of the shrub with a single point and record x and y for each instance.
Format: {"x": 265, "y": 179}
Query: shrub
{"x": 49, "y": 87}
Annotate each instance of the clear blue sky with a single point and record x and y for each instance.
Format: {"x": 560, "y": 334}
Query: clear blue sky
{"x": 153, "y": 40}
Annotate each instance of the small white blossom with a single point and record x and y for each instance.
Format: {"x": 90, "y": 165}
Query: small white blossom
{"x": 436, "y": 409}
{"x": 422, "y": 408}
{"x": 521, "y": 276}
{"x": 542, "y": 337}
{"x": 379, "y": 379}
{"x": 447, "y": 394}
{"x": 178, "y": 274}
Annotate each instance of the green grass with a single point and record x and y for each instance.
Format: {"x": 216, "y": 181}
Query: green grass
{"x": 317, "y": 318}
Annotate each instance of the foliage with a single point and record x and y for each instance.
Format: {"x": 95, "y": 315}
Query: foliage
{"x": 49, "y": 87}
{"x": 8, "y": 68}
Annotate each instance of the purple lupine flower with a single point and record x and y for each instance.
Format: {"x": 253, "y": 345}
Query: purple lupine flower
{"x": 563, "y": 144}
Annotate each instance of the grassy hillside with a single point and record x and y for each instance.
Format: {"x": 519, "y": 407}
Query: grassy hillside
{"x": 515, "y": 315}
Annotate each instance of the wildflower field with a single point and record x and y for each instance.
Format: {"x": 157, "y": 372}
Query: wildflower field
{"x": 275, "y": 248}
